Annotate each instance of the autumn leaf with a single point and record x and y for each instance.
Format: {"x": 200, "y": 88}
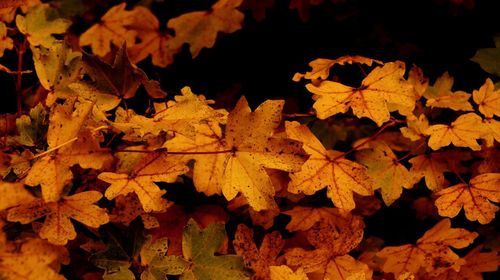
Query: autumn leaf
{"x": 153, "y": 41}
{"x": 384, "y": 86}
{"x": 488, "y": 99}
{"x": 440, "y": 95}
{"x": 487, "y": 58}
{"x": 236, "y": 162}
{"x": 387, "y": 173}
{"x": 32, "y": 128}
{"x": 13, "y": 194}
{"x": 463, "y": 132}
{"x": 139, "y": 177}
{"x": 258, "y": 259}
{"x": 198, "y": 248}
{"x": 57, "y": 227}
{"x": 156, "y": 262}
{"x": 284, "y": 272}
{"x": 320, "y": 68}
{"x": 431, "y": 167}
{"x": 431, "y": 252}
{"x": 327, "y": 168}
{"x": 40, "y": 24}
{"x": 474, "y": 197}
{"x": 121, "y": 79}
{"x": 6, "y": 43}
{"x": 68, "y": 145}
{"x": 303, "y": 218}
{"x": 36, "y": 259}
{"x": 200, "y": 29}
{"x": 475, "y": 263}
{"x": 416, "y": 128}
{"x": 112, "y": 28}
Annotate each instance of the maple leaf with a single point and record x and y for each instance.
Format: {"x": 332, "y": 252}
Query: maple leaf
{"x": 431, "y": 251}
{"x": 431, "y": 166}
{"x": 114, "y": 259}
{"x": 57, "y": 227}
{"x": 32, "y": 128}
{"x": 475, "y": 263}
{"x": 157, "y": 263}
{"x": 39, "y": 25}
{"x": 127, "y": 208}
{"x": 492, "y": 131}
{"x": 139, "y": 177}
{"x": 121, "y": 79}
{"x": 474, "y": 197}
{"x": 488, "y": 99}
{"x": 284, "y": 272}
{"x": 416, "y": 127}
{"x": 56, "y": 66}
{"x": 8, "y": 13}
{"x": 112, "y": 28}
{"x": 200, "y": 29}
{"x": 327, "y": 168}
{"x": 382, "y": 87}
{"x": 440, "y": 95}
{"x": 198, "y": 249}
{"x": 320, "y": 68}
{"x": 13, "y": 194}
{"x": 69, "y": 145}
{"x": 36, "y": 259}
{"x": 384, "y": 168}
{"x": 6, "y": 43}
{"x": 153, "y": 41}
{"x": 236, "y": 162}
{"x": 488, "y": 58}
{"x": 260, "y": 259}
{"x": 333, "y": 237}
{"x": 463, "y": 132}
{"x": 303, "y": 218}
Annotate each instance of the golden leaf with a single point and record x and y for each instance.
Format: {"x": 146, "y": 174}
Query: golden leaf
{"x": 474, "y": 197}
{"x": 384, "y": 86}
{"x": 284, "y": 272}
{"x": 327, "y": 168}
{"x": 488, "y": 99}
{"x": 431, "y": 166}
{"x": 440, "y": 95}
{"x": 57, "y": 227}
{"x": 13, "y": 194}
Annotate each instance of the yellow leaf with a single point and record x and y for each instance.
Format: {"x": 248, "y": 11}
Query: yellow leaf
{"x": 474, "y": 197}
{"x": 260, "y": 259}
{"x": 320, "y": 68}
{"x": 6, "y": 42}
{"x": 384, "y": 86}
{"x": 70, "y": 147}
{"x": 431, "y": 252}
{"x": 463, "y": 132}
{"x": 284, "y": 272}
{"x": 200, "y": 29}
{"x": 346, "y": 267}
{"x": 303, "y": 218}
{"x": 327, "y": 168}
{"x": 112, "y": 28}
{"x": 154, "y": 167}
{"x": 36, "y": 260}
{"x": 57, "y": 227}
{"x": 384, "y": 168}
{"x": 431, "y": 166}
{"x": 237, "y": 162}
{"x": 416, "y": 128}
{"x": 492, "y": 131}
{"x": 488, "y": 99}
{"x": 440, "y": 95}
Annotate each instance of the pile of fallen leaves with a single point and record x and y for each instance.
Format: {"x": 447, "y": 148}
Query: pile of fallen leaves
{"x": 91, "y": 188}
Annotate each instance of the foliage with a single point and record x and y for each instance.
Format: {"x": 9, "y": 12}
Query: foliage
{"x": 82, "y": 172}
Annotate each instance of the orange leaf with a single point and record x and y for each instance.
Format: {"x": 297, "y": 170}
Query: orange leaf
{"x": 384, "y": 86}
{"x": 57, "y": 227}
{"x": 488, "y": 99}
{"x": 431, "y": 252}
{"x": 258, "y": 259}
{"x": 327, "y": 168}
{"x": 463, "y": 132}
{"x": 474, "y": 197}
{"x": 431, "y": 166}
{"x": 440, "y": 95}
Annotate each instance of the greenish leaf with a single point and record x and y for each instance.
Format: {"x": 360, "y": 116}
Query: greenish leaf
{"x": 489, "y": 58}
{"x": 33, "y": 127}
{"x": 40, "y": 24}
